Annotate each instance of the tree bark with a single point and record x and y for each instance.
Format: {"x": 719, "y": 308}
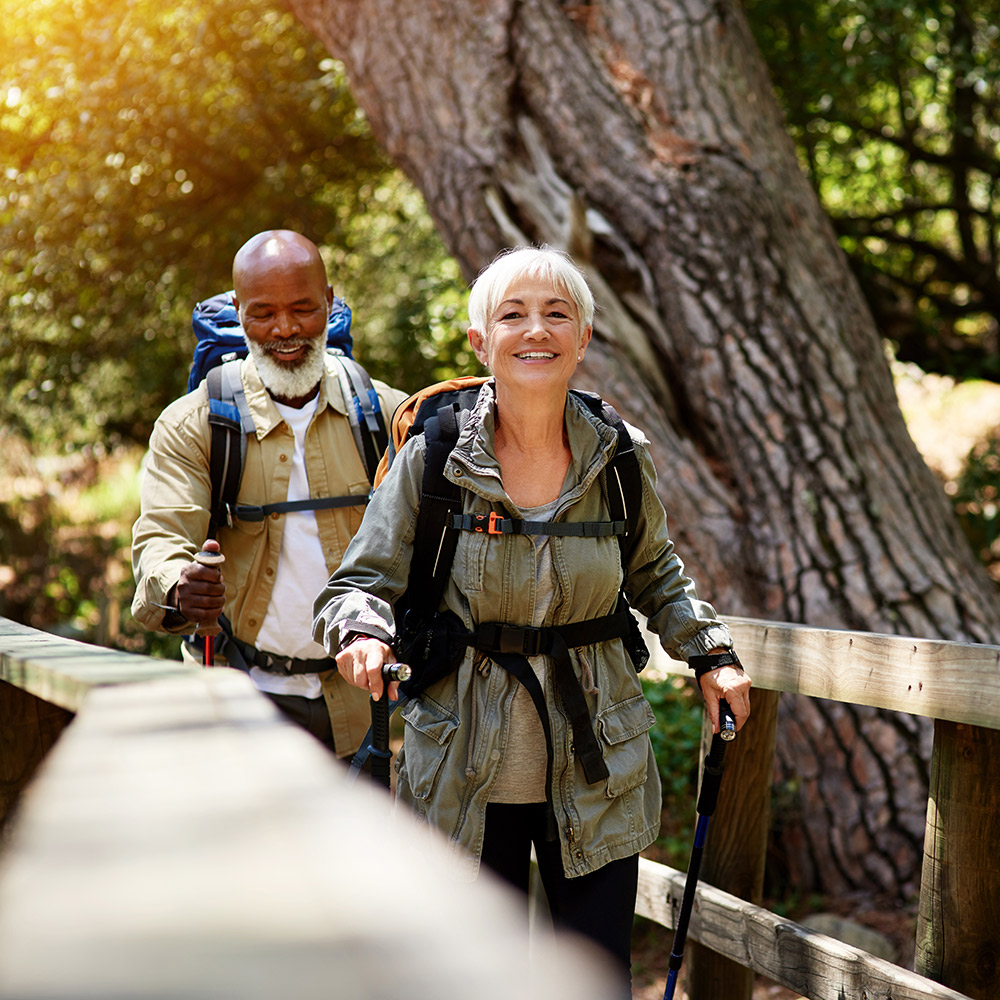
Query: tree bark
{"x": 642, "y": 136}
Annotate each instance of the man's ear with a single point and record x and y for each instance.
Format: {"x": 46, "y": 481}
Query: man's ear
{"x": 329, "y": 298}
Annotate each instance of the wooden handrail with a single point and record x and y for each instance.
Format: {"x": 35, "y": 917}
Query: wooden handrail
{"x": 956, "y": 683}
{"x": 183, "y": 840}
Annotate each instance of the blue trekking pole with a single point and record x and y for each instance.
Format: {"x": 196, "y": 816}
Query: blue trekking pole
{"x": 707, "y": 799}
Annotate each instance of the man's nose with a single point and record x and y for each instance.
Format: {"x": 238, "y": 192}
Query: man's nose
{"x": 286, "y": 325}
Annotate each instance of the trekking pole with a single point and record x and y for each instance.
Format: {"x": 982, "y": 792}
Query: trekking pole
{"x": 209, "y": 559}
{"x": 378, "y": 748}
{"x": 707, "y": 798}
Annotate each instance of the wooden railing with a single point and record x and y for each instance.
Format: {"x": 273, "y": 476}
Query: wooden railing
{"x": 958, "y": 933}
{"x": 180, "y": 832}
{"x": 180, "y": 840}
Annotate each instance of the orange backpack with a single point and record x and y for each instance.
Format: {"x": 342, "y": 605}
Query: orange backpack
{"x": 406, "y": 414}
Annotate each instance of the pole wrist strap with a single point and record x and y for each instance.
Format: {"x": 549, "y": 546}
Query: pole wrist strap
{"x": 712, "y": 661}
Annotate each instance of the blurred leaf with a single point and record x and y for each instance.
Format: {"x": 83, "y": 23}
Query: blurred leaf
{"x": 143, "y": 143}
{"x": 895, "y": 108}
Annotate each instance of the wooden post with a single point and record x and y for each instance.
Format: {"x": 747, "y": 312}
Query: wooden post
{"x": 29, "y": 728}
{"x": 736, "y": 848}
{"x": 958, "y": 925}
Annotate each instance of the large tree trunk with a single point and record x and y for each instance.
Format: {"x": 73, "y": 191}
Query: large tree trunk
{"x": 642, "y": 136}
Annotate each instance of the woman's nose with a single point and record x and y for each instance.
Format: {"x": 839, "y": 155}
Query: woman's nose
{"x": 536, "y": 326}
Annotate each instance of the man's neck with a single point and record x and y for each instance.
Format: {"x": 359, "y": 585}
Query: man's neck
{"x": 295, "y": 402}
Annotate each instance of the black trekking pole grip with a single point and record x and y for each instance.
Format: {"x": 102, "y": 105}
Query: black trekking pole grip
{"x": 378, "y": 749}
{"x": 715, "y": 760}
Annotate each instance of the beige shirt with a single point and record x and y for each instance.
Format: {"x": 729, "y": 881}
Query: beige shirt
{"x": 175, "y": 498}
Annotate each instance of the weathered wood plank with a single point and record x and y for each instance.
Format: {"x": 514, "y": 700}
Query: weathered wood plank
{"x": 812, "y": 964}
{"x": 961, "y": 866}
{"x": 62, "y": 671}
{"x": 183, "y": 840}
{"x": 956, "y": 681}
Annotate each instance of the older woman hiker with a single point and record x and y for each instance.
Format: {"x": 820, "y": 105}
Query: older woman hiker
{"x": 536, "y": 733}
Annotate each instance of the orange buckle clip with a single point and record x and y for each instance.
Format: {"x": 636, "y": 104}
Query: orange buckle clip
{"x": 482, "y": 523}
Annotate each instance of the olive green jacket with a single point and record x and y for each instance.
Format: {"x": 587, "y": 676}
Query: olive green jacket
{"x": 174, "y": 513}
{"x": 456, "y": 731}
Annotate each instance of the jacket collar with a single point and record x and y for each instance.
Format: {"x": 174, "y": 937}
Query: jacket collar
{"x": 265, "y": 414}
{"x": 592, "y": 445}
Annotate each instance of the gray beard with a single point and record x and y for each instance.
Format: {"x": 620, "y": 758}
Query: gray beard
{"x": 286, "y": 382}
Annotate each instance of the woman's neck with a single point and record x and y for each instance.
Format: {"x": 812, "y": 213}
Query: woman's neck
{"x": 530, "y": 422}
{"x": 531, "y": 447}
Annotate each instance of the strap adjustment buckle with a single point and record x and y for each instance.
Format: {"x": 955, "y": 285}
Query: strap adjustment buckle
{"x": 488, "y": 523}
{"x": 511, "y": 639}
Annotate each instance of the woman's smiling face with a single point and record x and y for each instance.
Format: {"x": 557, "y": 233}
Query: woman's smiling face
{"x": 535, "y": 336}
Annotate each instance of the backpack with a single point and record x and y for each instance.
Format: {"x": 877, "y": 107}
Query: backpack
{"x": 432, "y": 642}
{"x": 217, "y": 358}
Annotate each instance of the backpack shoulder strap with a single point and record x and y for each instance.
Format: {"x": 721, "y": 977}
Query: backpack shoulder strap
{"x": 434, "y": 542}
{"x": 622, "y": 479}
{"x": 363, "y": 411}
{"x": 230, "y": 421}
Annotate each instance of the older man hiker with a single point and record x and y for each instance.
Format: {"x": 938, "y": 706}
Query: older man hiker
{"x": 300, "y": 501}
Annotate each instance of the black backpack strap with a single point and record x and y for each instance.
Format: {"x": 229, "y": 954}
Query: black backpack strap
{"x": 518, "y": 667}
{"x": 495, "y": 524}
{"x": 229, "y": 421}
{"x": 623, "y": 489}
{"x": 622, "y": 479}
{"x": 363, "y": 412}
{"x": 434, "y": 542}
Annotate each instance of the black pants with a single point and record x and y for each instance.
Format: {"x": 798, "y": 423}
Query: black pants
{"x": 310, "y": 713}
{"x": 600, "y": 905}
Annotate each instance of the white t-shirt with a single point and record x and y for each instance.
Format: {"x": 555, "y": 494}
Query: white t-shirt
{"x": 301, "y": 575}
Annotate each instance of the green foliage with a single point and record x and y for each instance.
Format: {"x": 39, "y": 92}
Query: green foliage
{"x": 895, "y": 108}
{"x": 144, "y": 142}
{"x": 976, "y": 496}
{"x": 676, "y": 739}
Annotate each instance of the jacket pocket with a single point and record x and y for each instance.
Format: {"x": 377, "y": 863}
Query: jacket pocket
{"x": 430, "y": 729}
{"x": 623, "y": 729}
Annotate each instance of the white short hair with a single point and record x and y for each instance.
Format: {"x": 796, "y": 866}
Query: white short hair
{"x": 544, "y": 262}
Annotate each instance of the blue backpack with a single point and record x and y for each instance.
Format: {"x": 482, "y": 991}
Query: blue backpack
{"x": 218, "y": 355}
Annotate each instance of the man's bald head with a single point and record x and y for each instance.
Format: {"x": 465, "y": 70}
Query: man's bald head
{"x": 273, "y": 251}
{"x": 283, "y": 300}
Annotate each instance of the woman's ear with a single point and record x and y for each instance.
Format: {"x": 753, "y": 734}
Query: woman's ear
{"x": 478, "y": 342}
{"x": 588, "y": 332}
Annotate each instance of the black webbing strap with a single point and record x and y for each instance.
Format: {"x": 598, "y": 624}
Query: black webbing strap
{"x": 519, "y": 667}
{"x": 225, "y": 464}
{"x": 500, "y": 642}
{"x": 623, "y": 480}
{"x": 243, "y": 656}
{"x": 252, "y": 512}
{"x": 433, "y": 544}
{"x": 495, "y": 524}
